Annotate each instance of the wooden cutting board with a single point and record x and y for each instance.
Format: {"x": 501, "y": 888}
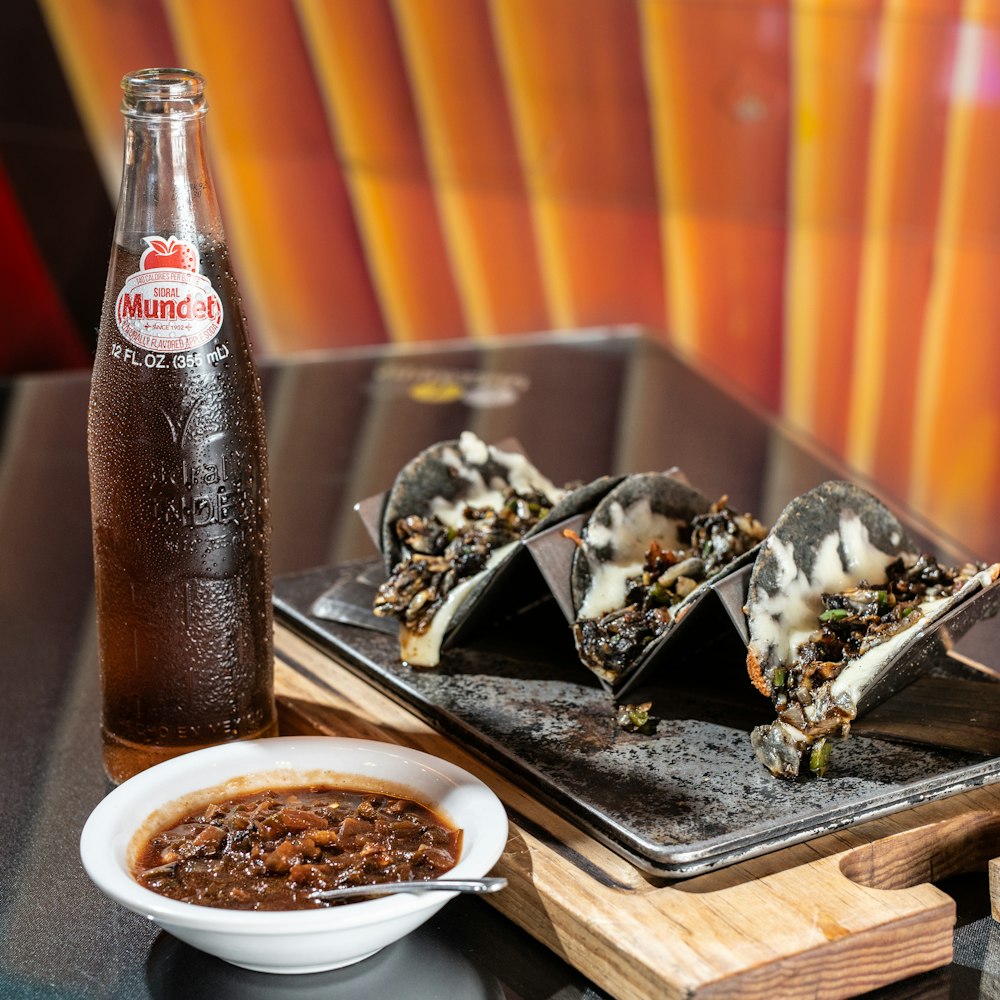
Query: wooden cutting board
{"x": 833, "y": 917}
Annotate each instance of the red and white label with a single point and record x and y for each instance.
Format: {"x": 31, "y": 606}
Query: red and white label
{"x": 167, "y": 305}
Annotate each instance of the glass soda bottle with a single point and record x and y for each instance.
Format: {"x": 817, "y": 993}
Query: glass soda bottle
{"x": 177, "y": 456}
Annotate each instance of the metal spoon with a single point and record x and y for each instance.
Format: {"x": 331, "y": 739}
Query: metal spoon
{"x": 476, "y": 885}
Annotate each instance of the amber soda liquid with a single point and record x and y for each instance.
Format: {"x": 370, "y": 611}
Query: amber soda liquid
{"x": 178, "y": 459}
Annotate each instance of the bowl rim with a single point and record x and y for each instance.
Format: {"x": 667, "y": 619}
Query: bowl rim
{"x": 116, "y": 818}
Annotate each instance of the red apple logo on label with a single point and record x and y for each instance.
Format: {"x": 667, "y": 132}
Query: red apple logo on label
{"x": 168, "y": 305}
{"x": 170, "y": 252}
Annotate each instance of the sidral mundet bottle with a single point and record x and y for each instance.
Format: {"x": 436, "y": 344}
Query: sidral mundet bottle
{"x": 177, "y": 456}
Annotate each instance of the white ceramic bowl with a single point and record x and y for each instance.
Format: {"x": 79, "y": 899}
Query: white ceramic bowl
{"x": 302, "y": 940}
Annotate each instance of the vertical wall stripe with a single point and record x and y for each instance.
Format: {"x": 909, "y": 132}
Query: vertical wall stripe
{"x": 836, "y": 62}
{"x": 472, "y": 153}
{"x": 903, "y": 184}
{"x": 956, "y": 469}
{"x": 721, "y": 134}
{"x": 578, "y": 99}
{"x": 356, "y": 56}
{"x": 99, "y": 41}
{"x": 293, "y": 239}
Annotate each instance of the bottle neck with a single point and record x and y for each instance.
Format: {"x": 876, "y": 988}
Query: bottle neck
{"x": 166, "y": 184}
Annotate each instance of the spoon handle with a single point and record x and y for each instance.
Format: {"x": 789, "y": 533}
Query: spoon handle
{"x": 476, "y": 885}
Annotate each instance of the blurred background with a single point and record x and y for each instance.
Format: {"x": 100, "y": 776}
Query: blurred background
{"x": 802, "y": 197}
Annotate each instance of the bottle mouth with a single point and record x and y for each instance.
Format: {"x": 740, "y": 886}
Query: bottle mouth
{"x": 163, "y": 91}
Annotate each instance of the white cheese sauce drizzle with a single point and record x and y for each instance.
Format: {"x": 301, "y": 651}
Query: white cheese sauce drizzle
{"x": 465, "y": 462}
{"x": 785, "y": 618}
{"x": 629, "y": 533}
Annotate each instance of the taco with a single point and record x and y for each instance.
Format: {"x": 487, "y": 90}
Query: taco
{"x": 452, "y": 521}
{"x": 646, "y": 554}
{"x": 838, "y": 599}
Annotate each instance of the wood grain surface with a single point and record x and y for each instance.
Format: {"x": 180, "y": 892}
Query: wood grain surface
{"x": 832, "y": 917}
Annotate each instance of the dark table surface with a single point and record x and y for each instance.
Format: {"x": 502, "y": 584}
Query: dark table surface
{"x": 339, "y": 425}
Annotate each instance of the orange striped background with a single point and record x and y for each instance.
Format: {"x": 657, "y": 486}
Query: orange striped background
{"x": 801, "y": 195}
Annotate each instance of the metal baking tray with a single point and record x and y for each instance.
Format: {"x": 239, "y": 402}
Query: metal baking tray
{"x": 690, "y": 797}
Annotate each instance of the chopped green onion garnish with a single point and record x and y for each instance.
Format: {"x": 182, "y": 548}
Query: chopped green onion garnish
{"x": 819, "y": 758}
{"x": 638, "y": 717}
{"x": 834, "y": 614}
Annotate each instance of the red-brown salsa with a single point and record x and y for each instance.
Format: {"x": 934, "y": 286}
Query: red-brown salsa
{"x": 269, "y": 849}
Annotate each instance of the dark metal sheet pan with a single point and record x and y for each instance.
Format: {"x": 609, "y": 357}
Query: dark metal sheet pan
{"x": 685, "y": 800}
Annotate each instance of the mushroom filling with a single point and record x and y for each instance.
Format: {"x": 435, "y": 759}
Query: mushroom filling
{"x": 612, "y": 644}
{"x": 438, "y": 556}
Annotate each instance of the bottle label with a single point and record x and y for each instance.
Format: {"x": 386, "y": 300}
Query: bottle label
{"x": 167, "y": 305}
